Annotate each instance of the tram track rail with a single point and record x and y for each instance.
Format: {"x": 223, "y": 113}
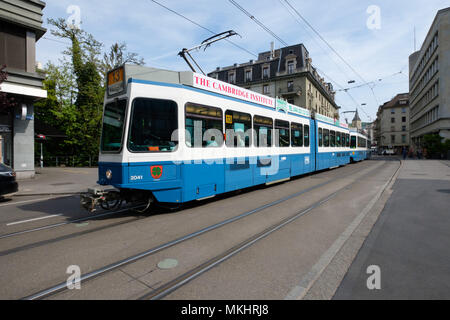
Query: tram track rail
{"x": 107, "y": 213}
{"x": 190, "y": 275}
{"x": 60, "y": 224}
{"x": 100, "y": 228}
{"x": 51, "y": 291}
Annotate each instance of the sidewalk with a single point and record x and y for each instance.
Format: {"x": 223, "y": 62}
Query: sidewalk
{"x": 410, "y": 241}
{"x": 50, "y": 181}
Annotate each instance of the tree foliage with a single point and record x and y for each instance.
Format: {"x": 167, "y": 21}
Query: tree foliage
{"x": 435, "y": 147}
{"x": 6, "y": 102}
{"x": 76, "y": 90}
{"x": 118, "y": 55}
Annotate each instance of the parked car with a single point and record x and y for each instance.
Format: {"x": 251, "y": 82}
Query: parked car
{"x": 388, "y": 152}
{"x": 8, "y": 183}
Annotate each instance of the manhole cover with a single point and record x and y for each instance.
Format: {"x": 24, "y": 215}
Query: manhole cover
{"x": 168, "y": 264}
{"x": 81, "y": 225}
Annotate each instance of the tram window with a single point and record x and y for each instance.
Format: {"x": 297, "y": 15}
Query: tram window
{"x": 113, "y": 121}
{"x": 263, "y": 131}
{"x": 320, "y": 137}
{"x": 326, "y": 137}
{"x": 347, "y": 138}
{"x": 238, "y": 127}
{"x": 338, "y": 139}
{"x": 208, "y": 120}
{"x": 153, "y": 122}
{"x": 353, "y": 142}
{"x": 363, "y": 143}
{"x": 332, "y": 139}
{"x": 296, "y": 134}
{"x": 282, "y": 127}
{"x": 306, "y": 135}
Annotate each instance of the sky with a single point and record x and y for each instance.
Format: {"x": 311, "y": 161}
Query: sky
{"x": 373, "y": 39}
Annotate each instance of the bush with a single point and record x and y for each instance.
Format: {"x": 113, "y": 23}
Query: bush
{"x": 436, "y": 149}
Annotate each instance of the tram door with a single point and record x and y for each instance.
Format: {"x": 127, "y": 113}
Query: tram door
{"x": 238, "y": 171}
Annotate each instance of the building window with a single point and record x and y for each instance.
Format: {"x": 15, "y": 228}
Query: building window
{"x": 392, "y": 111}
{"x": 291, "y": 101}
{"x": 266, "y": 89}
{"x": 290, "y": 86}
{"x": 403, "y": 138}
{"x": 265, "y": 72}
{"x": 248, "y": 75}
{"x": 393, "y": 138}
{"x": 392, "y": 120}
{"x": 403, "y": 128}
{"x": 232, "y": 77}
{"x": 403, "y": 110}
{"x": 403, "y": 119}
{"x": 290, "y": 67}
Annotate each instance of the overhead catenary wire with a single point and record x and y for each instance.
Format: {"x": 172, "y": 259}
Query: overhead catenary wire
{"x": 202, "y": 27}
{"x": 374, "y": 82}
{"x": 237, "y": 5}
{"x": 332, "y": 49}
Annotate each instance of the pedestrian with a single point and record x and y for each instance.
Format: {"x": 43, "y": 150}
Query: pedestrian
{"x": 419, "y": 153}
{"x": 404, "y": 152}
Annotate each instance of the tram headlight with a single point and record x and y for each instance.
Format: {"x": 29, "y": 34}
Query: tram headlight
{"x": 108, "y": 174}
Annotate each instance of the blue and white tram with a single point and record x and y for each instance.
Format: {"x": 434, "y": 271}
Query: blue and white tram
{"x": 175, "y": 137}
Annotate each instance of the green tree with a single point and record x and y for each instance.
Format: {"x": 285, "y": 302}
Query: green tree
{"x": 435, "y": 147}
{"x": 118, "y": 55}
{"x": 7, "y": 103}
{"x": 84, "y": 130}
{"x": 75, "y": 88}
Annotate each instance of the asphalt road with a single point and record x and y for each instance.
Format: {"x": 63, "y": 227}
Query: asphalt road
{"x": 283, "y": 265}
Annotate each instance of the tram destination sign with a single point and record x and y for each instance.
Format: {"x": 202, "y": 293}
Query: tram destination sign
{"x": 116, "y": 81}
{"x": 217, "y": 86}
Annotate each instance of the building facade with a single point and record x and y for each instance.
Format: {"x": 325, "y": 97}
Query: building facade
{"x": 356, "y": 122}
{"x": 285, "y": 73}
{"x": 20, "y": 28}
{"x": 429, "y": 82}
{"x": 392, "y": 124}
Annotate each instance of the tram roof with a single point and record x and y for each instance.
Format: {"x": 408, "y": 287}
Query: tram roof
{"x": 126, "y": 73}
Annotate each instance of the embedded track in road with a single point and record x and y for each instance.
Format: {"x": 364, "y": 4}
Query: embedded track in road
{"x": 179, "y": 281}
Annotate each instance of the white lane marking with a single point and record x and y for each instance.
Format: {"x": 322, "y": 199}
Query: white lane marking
{"x": 35, "y": 219}
{"x": 32, "y": 200}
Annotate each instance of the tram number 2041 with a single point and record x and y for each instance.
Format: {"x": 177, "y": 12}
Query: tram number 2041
{"x": 134, "y": 178}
